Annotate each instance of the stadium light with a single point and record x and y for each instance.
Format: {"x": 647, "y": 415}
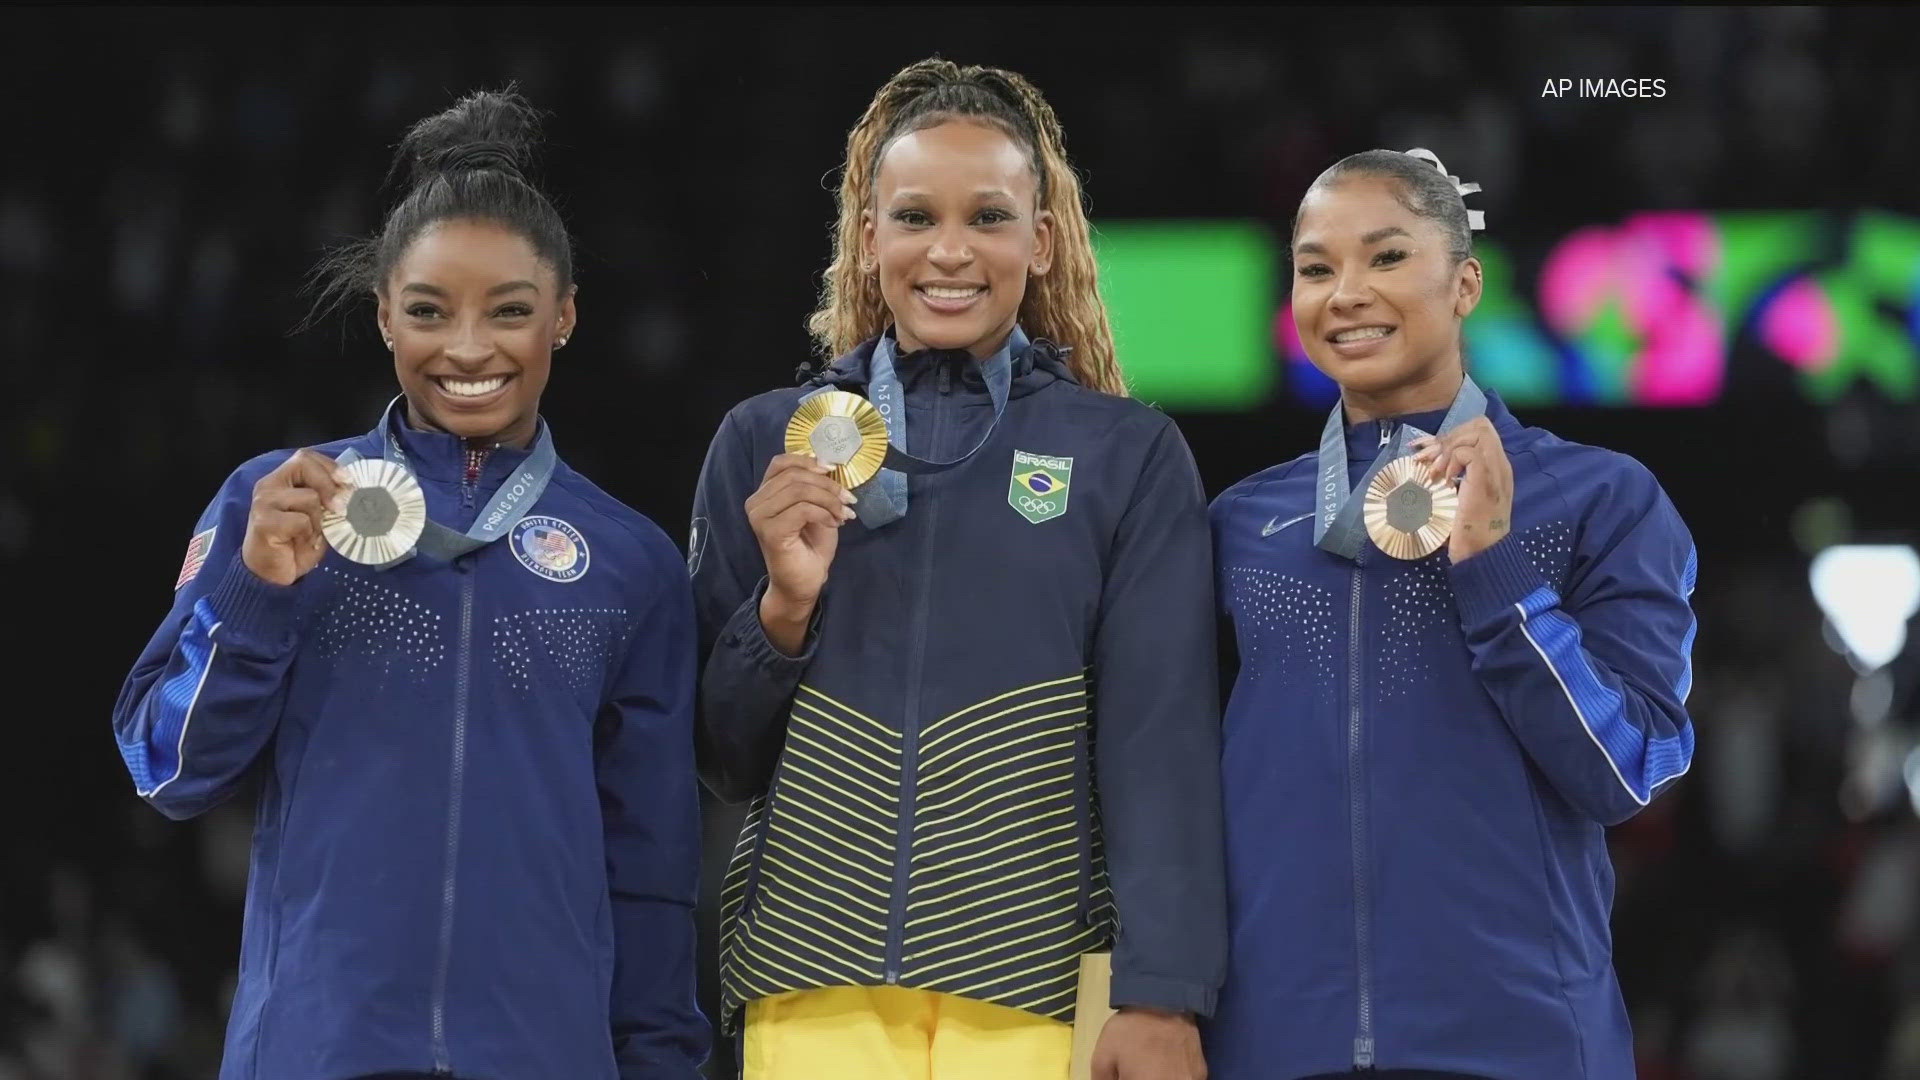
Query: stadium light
{"x": 1868, "y": 592}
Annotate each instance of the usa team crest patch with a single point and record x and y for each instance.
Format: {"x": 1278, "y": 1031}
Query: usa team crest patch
{"x": 197, "y": 549}
{"x": 1040, "y": 485}
{"x": 550, "y": 548}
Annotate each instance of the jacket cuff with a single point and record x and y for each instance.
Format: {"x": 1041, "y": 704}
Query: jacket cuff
{"x": 744, "y": 633}
{"x": 255, "y": 617}
{"x": 1494, "y": 581}
{"x": 1157, "y": 992}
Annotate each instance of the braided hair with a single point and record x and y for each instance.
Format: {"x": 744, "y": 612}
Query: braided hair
{"x": 1062, "y": 305}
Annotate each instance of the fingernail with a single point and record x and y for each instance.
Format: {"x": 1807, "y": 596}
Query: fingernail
{"x": 847, "y": 514}
{"x": 848, "y": 497}
{"x": 337, "y": 504}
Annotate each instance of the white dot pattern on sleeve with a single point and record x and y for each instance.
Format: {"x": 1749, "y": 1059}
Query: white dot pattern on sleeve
{"x": 1550, "y": 548}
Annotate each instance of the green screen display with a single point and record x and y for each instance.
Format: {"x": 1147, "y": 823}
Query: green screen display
{"x": 1192, "y": 306}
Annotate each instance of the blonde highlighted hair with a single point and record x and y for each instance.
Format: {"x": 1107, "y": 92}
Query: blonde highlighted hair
{"x": 1063, "y": 305}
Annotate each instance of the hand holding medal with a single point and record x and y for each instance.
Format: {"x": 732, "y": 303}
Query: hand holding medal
{"x": 1484, "y": 512}
{"x": 284, "y": 539}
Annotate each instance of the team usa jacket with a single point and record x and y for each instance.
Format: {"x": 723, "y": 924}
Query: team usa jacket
{"x": 1421, "y": 760}
{"x": 1003, "y": 729}
{"x": 477, "y": 839}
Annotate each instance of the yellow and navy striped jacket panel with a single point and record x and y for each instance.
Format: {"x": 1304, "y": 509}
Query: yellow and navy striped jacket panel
{"x": 1007, "y": 887}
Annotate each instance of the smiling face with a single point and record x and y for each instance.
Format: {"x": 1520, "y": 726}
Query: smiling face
{"x": 1377, "y": 298}
{"x": 473, "y": 313}
{"x": 954, "y": 232}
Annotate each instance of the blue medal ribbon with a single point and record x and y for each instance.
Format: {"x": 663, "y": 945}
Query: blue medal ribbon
{"x": 1337, "y": 525}
{"x": 510, "y": 502}
{"x": 883, "y": 500}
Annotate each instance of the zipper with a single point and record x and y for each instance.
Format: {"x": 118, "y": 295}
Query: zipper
{"x": 1386, "y": 432}
{"x": 1357, "y": 824}
{"x": 910, "y": 736}
{"x": 476, "y": 461}
{"x": 442, "y": 1062}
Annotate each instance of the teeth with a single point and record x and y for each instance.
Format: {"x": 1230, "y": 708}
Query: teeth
{"x": 473, "y": 387}
{"x": 942, "y": 293}
{"x": 1365, "y": 333}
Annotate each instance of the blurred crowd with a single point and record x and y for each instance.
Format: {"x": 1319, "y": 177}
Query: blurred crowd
{"x": 172, "y": 176}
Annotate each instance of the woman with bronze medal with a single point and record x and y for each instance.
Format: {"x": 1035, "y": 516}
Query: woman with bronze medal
{"x": 1464, "y": 652}
{"x": 958, "y": 608}
{"x": 462, "y": 677}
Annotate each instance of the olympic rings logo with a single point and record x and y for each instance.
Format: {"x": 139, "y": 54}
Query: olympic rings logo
{"x": 1038, "y": 506}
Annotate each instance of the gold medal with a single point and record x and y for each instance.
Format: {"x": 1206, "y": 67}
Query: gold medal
{"x": 386, "y": 512}
{"x": 841, "y": 430}
{"x": 1407, "y": 517}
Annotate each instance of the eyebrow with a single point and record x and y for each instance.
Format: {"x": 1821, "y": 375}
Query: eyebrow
{"x": 981, "y": 193}
{"x": 497, "y": 290}
{"x": 1368, "y": 240}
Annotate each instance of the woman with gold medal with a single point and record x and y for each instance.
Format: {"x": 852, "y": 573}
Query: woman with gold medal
{"x": 957, "y": 606}
{"x": 1464, "y": 652}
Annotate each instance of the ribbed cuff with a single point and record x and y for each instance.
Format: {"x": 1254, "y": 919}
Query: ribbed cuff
{"x": 744, "y": 632}
{"x": 256, "y": 617}
{"x": 1157, "y": 992}
{"x": 1494, "y": 580}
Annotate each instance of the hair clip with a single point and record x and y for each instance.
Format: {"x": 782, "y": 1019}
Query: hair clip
{"x": 1476, "y": 219}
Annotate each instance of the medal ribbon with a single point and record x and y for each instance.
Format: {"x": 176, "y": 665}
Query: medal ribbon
{"x": 509, "y": 503}
{"x": 883, "y": 500}
{"x": 1337, "y": 525}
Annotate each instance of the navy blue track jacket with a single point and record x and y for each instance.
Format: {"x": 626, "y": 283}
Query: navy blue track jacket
{"x": 1037, "y": 632}
{"x": 477, "y": 839}
{"x": 1421, "y": 760}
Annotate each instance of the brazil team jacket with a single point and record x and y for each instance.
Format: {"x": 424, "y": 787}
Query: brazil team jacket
{"x": 1421, "y": 759}
{"x": 1003, "y": 726}
{"x": 477, "y": 843}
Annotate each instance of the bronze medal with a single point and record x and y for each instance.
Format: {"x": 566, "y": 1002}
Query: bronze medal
{"x": 1407, "y": 517}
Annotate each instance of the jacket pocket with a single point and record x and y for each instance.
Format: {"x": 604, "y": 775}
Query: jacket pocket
{"x": 748, "y": 854}
{"x": 1083, "y": 818}
{"x": 756, "y": 856}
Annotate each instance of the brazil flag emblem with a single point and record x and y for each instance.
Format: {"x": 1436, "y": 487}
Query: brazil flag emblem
{"x": 1040, "y": 485}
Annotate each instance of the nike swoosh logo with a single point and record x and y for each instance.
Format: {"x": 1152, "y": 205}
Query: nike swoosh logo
{"x": 1274, "y": 524}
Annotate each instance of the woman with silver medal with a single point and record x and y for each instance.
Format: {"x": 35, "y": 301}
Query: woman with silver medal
{"x": 461, "y": 675}
{"x": 1464, "y": 651}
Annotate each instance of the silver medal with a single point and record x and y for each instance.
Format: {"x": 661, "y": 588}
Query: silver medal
{"x": 385, "y": 514}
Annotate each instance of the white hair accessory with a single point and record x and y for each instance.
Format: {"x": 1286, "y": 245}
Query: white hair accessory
{"x": 1476, "y": 219}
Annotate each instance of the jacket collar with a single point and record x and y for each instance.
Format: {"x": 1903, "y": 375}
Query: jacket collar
{"x": 437, "y": 455}
{"x": 1363, "y": 439}
{"x": 1039, "y": 363}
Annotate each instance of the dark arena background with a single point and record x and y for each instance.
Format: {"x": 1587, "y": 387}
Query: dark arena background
{"x": 1719, "y": 275}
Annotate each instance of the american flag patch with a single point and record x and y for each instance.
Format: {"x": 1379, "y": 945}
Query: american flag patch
{"x": 196, "y": 557}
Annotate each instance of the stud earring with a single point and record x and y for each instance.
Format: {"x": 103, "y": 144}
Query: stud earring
{"x": 389, "y": 344}
{"x": 560, "y": 343}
